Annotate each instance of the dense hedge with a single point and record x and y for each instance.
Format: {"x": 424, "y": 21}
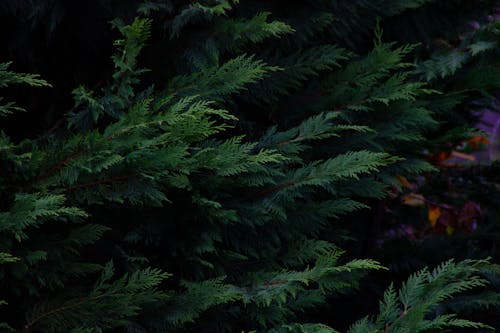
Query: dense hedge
{"x": 220, "y": 166}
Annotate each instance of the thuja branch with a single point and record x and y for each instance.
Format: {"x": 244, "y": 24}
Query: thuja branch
{"x": 81, "y": 152}
{"x": 430, "y": 202}
{"x": 401, "y": 315}
{"x": 61, "y": 309}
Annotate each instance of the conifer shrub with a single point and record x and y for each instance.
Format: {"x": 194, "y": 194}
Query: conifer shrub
{"x": 215, "y": 199}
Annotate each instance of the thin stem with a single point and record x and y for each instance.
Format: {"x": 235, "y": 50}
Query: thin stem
{"x": 99, "y": 182}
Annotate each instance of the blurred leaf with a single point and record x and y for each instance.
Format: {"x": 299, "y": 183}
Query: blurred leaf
{"x": 463, "y": 156}
{"x": 413, "y": 199}
{"x": 404, "y": 182}
{"x": 469, "y": 214}
{"x": 434, "y": 214}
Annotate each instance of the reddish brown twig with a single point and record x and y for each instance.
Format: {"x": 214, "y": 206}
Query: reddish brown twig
{"x": 61, "y": 164}
{"x": 283, "y": 143}
{"x": 99, "y": 182}
{"x": 274, "y": 283}
{"x": 276, "y": 188}
{"x": 432, "y": 203}
{"x": 349, "y": 105}
{"x": 61, "y": 309}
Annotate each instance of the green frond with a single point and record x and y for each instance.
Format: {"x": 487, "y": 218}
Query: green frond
{"x": 8, "y": 77}
{"x": 220, "y": 7}
{"x": 297, "y": 68}
{"x": 6, "y": 258}
{"x": 422, "y": 293}
{"x": 131, "y": 292}
{"x": 32, "y": 210}
{"x": 389, "y": 308}
{"x": 253, "y": 30}
{"x": 199, "y": 297}
{"x": 221, "y": 81}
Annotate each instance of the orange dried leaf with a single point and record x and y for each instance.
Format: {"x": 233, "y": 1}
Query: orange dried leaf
{"x": 403, "y": 181}
{"x": 476, "y": 141}
{"x": 463, "y": 156}
{"x": 440, "y": 156}
{"x": 433, "y": 215}
{"x": 413, "y": 199}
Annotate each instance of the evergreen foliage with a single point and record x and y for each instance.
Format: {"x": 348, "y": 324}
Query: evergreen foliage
{"x": 210, "y": 201}
{"x": 415, "y": 308}
{"x": 7, "y": 78}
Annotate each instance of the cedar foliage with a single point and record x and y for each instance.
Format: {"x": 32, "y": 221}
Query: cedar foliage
{"x": 211, "y": 201}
